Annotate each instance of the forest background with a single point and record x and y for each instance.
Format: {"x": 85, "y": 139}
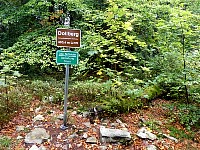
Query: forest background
{"x": 132, "y": 52}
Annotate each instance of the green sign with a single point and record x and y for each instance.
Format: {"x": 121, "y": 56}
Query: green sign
{"x": 67, "y": 57}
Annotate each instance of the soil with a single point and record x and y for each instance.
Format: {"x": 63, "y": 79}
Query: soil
{"x": 155, "y": 117}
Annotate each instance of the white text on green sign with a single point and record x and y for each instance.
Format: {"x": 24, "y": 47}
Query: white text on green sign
{"x": 66, "y": 57}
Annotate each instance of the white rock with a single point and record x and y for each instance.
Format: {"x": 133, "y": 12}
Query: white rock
{"x": 37, "y": 110}
{"x": 37, "y": 135}
{"x": 103, "y": 147}
{"x": 60, "y": 116}
{"x": 145, "y": 134}
{"x": 59, "y": 136}
{"x": 85, "y": 114}
{"x": 79, "y": 145}
{"x": 20, "y": 128}
{"x": 85, "y": 135}
{"x": 20, "y": 137}
{"x": 121, "y": 123}
{"x": 92, "y": 140}
{"x": 118, "y": 121}
{"x": 34, "y": 147}
{"x": 171, "y": 138}
{"x": 107, "y": 132}
{"x": 74, "y": 113}
{"x": 38, "y": 118}
{"x": 42, "y": 148}
{"x": 151, "y": 147}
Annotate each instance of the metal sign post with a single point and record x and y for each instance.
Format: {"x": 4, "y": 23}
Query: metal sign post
{"x": 67, "y": 38}
{"x": 64, "y": 126}
{"x": 67, "y": 58}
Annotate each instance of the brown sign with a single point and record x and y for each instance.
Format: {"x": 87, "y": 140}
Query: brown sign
{"x": 68, "y": 37}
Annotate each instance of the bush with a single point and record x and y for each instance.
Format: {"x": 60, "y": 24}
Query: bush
{"x": 188, "y": 115}
{"x": 12, "y": 99}
{"x": 114, "y": 96}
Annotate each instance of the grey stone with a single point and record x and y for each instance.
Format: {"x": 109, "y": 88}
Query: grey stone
{"x": 74, "y": 126}
{"x": 107, "y": 132}
{"x": 74, "y": 135}
{"x": 85, "y": 135}
{"x": 60, "y": 116}
{"x": 20, "y": 137}
{"x": 171, "y": 138}
{"x": 37, "y": 110}
{"x": 81, "y": 131}
{"x": 114, "y": 125}
{"x": 151, "y": 147}
{"x": 92, "y": 140}
{"x": 108, "y": 135}
{"x": 59, "y": 136}
{"x": 34, "y": 147}
{"x": 104, "y": 124}
{"x": 145, "y": 134}
{"x": 85, "y": 114}
{"x": 108, "y": 140}
{"x": 105, "y": 121}
{"x": 20, "y": 128}
{"x": 38, "y": 118}
{"x": 121, "y": 123}
{"x": 58, "y": 145}
{"x": 42, "y": 148}
{"x": 102, "y": 147}
{"x": 79, "y": 145}
{"x": 65, "y": 147}
{"x": 94, "y": 129}
{"x": 124, "y": 129}
{"x": 142, "y": 120}
{"x": 159, "y": 123}
{"x": 37, "y": 135}
{"x": 73, "y": 113}
{"x": 51, "y": 98}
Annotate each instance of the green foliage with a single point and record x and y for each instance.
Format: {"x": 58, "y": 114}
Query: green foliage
{"x": 47, "y": 90}
{"x": 5, "y": 142}
{"x": 152, "y": 124}
{"x": 180, "y": 134}
{"x": 113, "y": 96}
{"x": 19, "y": 95}
{"x": 187, "y": 115}
{"x": 13, "y": 97}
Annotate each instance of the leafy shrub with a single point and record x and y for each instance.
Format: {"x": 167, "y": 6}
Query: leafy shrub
{"x": 114, "y": 96}
{"x": 188, "y": 115}
{"x": 48, "y": 90}
{"x": 15, "y": 98}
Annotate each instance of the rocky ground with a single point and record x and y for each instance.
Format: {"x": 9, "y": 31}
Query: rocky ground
{"x": 38, "y": 128}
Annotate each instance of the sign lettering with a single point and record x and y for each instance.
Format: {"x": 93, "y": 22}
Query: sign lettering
{"x": 68, "y": 37}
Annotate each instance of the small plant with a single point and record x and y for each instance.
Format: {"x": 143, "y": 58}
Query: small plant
{"x": 180, "y": 134}
{"x": 152, "y": 124}
{"x": 5, "y": 142}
